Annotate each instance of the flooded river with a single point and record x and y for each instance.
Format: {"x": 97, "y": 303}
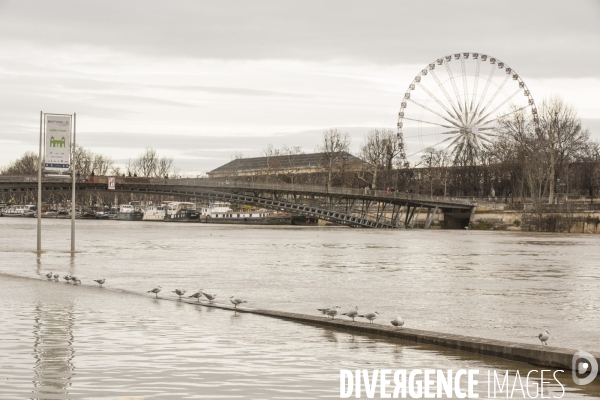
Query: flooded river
{"x": 65, "y": 342}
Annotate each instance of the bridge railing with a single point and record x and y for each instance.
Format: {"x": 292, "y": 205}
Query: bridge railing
{"x": 209, "y": 183}
{"x": 309, "y": 189}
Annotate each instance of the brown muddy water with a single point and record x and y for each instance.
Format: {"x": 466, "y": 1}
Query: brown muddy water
{"x": 64, "y": 342}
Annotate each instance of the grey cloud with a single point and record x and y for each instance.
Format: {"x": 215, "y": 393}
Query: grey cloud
{"x": 538, "y": 38}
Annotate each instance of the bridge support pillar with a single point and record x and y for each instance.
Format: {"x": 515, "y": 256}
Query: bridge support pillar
{"x": 429, "y": 218}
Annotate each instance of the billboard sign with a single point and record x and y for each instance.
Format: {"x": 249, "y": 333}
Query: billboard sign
{"x": 111, "y": 182}
{"x": 58, "y": 141}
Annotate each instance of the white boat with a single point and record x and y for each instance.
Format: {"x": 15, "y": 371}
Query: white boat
{"x": 20, "y": 211}
{"x": 155, "y": 213}
{"x": 223, "y": 210}
{"x": 130, "y": 212}
{"x": 181, "y": 211}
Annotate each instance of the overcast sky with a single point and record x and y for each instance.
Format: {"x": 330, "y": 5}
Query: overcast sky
{"x": 200, "y": 80}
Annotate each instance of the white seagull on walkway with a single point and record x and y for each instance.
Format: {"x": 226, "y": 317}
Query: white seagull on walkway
{"x": 56, "y": 276}
{"x": 352, "y": 313}
{"x": 235, "y": 301}
{"x": 67, "y": 278}
{"x": 100, "y": 281}
{"x": 76, "y": 281}
{"x": 179, "y": 292}
{"x": 49, "y": 276}
{"x": 544, "y": 337}
{"x": 398, "y": 322}
{"x": 325, "y": 309}
{"x": 370, "y": 316}
{"x": 156, "y": 290}
{"x": 209, "y": 296}
{"x": 332, "y": 312}
{"x": 197, "y": 295}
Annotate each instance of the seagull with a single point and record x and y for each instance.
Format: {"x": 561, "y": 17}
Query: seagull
{"x": 155, "y": 291}
{"x": 332, "y": 312}
{"x": 235, "y": 301}
{"x": 544, "y": 337}
{"x": 352, "y": 313}
{"x": 67, "y": 278}
{"x": 197, "y": 295}
{"x": 370, "y": 316}
{"x": 398, "y": 322}
{"x": 100, "y": 281}
{"x": 325, "y": 309}
{"x": 76, "y": 281}
{"x": 209, "y": 296}
{"x": 49, "y": 276}
{"x": 179, "y": 292}
{"x": 56, "y": 276}
{"x": 73, "y": 278}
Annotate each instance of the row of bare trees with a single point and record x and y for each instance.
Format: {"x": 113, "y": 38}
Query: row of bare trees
{"x": 379, "y": 151}
{"x": 87, "y": 162}
{"x": 150, "y": 164}
{"x": 526, "y": 162}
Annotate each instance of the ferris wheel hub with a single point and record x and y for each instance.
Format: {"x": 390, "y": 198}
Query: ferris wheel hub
{"x": 475, "y": 130}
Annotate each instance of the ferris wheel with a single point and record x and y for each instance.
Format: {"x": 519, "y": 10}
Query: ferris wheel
{"x": 455, "y": 102}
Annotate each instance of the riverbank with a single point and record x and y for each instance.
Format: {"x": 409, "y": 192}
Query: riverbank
{"x": 573, "y": 222}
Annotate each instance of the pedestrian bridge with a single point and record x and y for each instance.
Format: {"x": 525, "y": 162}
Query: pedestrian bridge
{"x": 345, "y": 206}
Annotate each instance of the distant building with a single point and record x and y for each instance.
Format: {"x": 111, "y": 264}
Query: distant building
{"x": 288, "y": 164}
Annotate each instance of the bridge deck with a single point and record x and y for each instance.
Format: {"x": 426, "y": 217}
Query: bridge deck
{"x": 334, "y": 204}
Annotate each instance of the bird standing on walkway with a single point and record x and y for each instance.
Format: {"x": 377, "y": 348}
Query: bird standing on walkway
{"x": 397, "y": 322}
{"x": 332, "y": 312}
{"x": 49, "y": 276}
{"x": 210, "y": 296}
{"x": 352, "y": 313}
{"x": 56, "y": 276}
{"x": 100, "y": 281}
{"x": 156, "y": 290}
{"x": 67, "y": 278}
{"x": 235, "y": 301}
{"x": 370, "y": 316}
{"x": 544, "y": 337}
{"x": 179, "y": 292}
{"x": 325, "y": 309}
{"x": 197, "y": 295}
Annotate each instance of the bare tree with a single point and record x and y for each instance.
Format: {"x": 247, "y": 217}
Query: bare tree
{"x": 282, "y": 160}
{"x": 115, "y": 170}
{"x": 164, "y": 166}
{"x": 561, "y": 128}
{"x": 270, "y": 152}
{"x": 101, "y": 164}
{"x": 589, "y": 158}
{"x": 334, "y": 143}
{"x": 436, "y": 163}
{"x": 147, "y": 163}
{"x": 292, "y": 164}
{"x": 27, "y": 164}
{"x": 87, "y": 162}
{"x": 380, "y": 151}
{"x": 237, "y": 155}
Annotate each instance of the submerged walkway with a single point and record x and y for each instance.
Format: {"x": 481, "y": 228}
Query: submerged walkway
{"x": 546, "y": 356}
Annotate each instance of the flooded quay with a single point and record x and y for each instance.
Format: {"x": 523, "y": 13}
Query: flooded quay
{"x": 67, "y": 342}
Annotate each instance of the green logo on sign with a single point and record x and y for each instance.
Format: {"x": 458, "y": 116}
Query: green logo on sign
{"x": 57, "y": 143}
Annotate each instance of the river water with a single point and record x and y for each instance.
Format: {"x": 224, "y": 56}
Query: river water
{"x": 66, "y": 342}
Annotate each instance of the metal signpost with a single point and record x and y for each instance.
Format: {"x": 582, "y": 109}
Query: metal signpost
{"x": 56, "y": 132}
